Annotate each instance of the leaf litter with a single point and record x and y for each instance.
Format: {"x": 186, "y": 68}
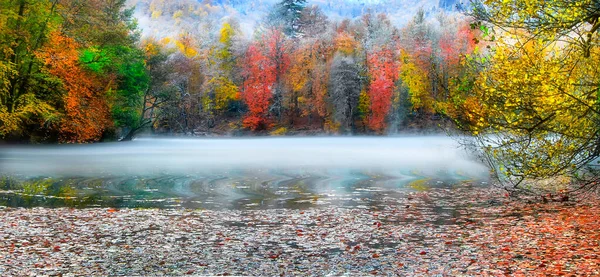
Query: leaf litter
{"x": 462, "y": 231}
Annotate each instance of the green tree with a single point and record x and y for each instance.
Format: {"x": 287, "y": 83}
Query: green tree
{"x": 287, "y": 15}
{"x": 27, "y": 97}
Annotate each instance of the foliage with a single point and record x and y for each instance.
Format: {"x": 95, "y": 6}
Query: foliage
{"x": 384, "y": 72}
{"x": 287, "y": 16}
{"x": 260, "y": 79}
{"x": 538, "y": 92}
{"x": 26, "y": 94}
{"x": 36, "y": 187}
{"x": 300, "y": 70}
{"x": 86, "y": 111}
{"x": 281, "y": 131}
{"x": 415, "y": 79}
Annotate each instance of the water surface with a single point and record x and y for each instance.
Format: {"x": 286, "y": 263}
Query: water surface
{"x": 233, "y": 173}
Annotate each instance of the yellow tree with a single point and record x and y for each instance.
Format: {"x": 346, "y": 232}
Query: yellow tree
{"x": 225, "y": 90}
{"x": 537, "y": 94}
{"x": 416, "y": 81}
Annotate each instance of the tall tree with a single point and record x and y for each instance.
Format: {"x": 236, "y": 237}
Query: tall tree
{"x": 27, "y": 99}
{"x": 260, "y": 78}
{"x": 287, "y": 15}
{"x": 277, "y": 50}
{"x": 225, "y": 90}
{"x": 344, "y": 89}
{"x": 383, "y": 71}
{"x": 86, "y": 111}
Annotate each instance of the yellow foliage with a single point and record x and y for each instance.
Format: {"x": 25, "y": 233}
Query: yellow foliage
{"x": 345, "y": 43}
{"x": 185, "y": 49}
{"x": 151, "y": 49}
{"x": 156, "y": 14}
{"x": 542, "y": 99}
{"x": 299, "y": 73}
{"x": 417, "y": 82}
{"x": 332, "y": 126}
{"x": 226, "y": 33}
{"x": 225, "y": 92}
{"x": 166, "y": 41}
{"x": 177, "y": 14}
{"x": 281, "y": 131}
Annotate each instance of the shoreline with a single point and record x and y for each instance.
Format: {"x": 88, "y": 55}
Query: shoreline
{"x": 474, "y": 233}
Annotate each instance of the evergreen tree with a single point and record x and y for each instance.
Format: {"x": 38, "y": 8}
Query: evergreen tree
{"x": 287, "y": 16}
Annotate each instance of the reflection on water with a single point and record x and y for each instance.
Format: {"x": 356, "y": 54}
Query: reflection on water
{"x": 232, "y": 173}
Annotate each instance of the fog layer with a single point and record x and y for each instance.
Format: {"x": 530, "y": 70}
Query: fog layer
{"x": 424, "y": 155}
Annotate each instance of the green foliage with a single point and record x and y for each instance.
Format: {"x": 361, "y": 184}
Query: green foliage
{"x": 39, "y": 187}
{"x": 26, "y": 98}
{"x": 95, "y": 59}
{"x": 32, "y": 99}
{"x": 133, "y": 81}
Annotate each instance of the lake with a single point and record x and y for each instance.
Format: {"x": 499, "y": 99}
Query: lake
{"x": 233, "y": 173}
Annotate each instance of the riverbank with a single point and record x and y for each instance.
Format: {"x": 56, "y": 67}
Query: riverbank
{"x": 477, "y": 232}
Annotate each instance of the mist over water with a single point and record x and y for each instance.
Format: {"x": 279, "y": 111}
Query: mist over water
{"x": 189, "y": 156}
{"x": 242, "y": 172}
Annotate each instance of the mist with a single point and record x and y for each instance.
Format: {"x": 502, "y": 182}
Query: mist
{"x": 425, "y": 156}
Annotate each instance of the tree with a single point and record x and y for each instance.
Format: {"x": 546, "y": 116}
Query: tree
{"x": 379, "y": 39}
{"x": 416, "y": 63}
{"x": 27, "y": 97}
{"x": 416, "y": 80}
{"x": 225, "y": 90}
{"x": 260, "y": 78}
{"x": 345, "y": 87}
{"x": 538, "y": 91}
{"x": 313, "y": 22}
{"x": 86, "y": 114}
{"x": 277, "y": 50}
{"x": 299, "y": 79}
{"x": 383, "y": 71}
{"x": 287, "y": 15}
{"x": 158, "y": 92}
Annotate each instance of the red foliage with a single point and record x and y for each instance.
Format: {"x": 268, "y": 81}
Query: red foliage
{"x": 260, "y": 78}
{"x": 550, "y": 239}
{"x": 452, "y": 46}
{"x": 278, "y": 52}
{"x": 383, "y": 68}
{"x": 266, "y": 63}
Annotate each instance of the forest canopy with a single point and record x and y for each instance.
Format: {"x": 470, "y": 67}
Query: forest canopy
{"x": 71, "y": 74}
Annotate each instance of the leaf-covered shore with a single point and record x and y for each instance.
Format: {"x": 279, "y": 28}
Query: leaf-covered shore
{"x": 477, "y": 232}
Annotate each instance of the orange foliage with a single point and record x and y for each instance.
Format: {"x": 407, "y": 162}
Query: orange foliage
{"x": 86, "y": 111}
{"x": 308, "y": 76}
{"x": 345, "y": 43}
{"x": 453, "y": 46}
{"x": 551, "y": 239}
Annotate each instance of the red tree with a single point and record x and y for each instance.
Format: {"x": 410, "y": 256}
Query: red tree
{"x": 383, "y": 71}
{"x": 260, "y": 77}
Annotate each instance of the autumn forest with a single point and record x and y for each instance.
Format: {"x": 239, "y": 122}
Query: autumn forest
{"x": 300, "y": 137}
{"x": 80, "y": 71}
